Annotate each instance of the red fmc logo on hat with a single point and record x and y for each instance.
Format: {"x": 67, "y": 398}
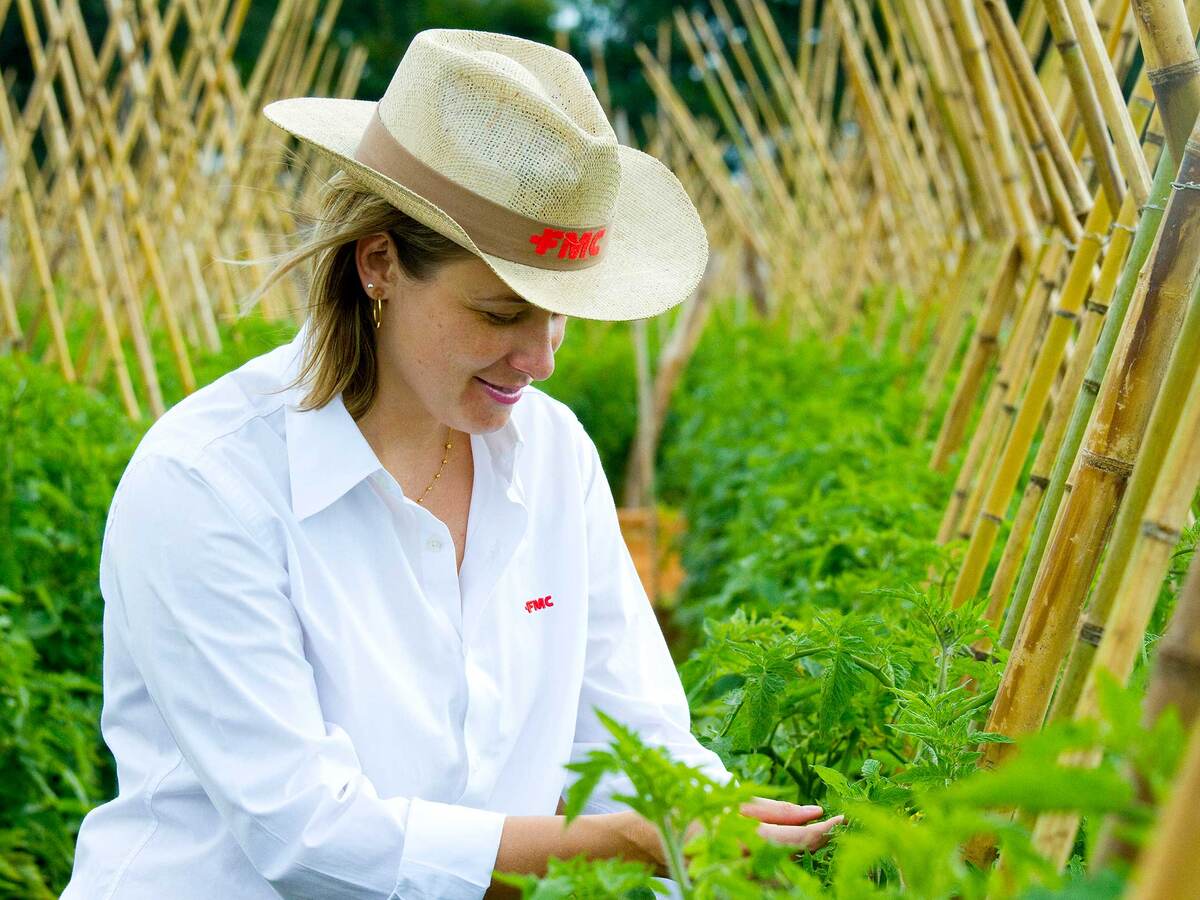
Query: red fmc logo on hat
{"x": 573, "y": 245}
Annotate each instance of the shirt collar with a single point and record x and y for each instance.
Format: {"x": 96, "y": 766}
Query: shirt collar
{"x": 328, "y": 454}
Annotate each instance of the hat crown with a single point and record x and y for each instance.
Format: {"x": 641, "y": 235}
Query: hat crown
{"x": 509, "y": 119}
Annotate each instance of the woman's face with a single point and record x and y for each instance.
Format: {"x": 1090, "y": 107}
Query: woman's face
{"x": 441, "y": 340}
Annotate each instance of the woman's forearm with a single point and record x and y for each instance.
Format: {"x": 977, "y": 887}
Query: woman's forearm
{"x": 528, "y": 841}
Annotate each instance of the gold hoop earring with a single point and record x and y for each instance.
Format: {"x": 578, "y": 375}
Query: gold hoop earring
{"x": 377, "y": 308}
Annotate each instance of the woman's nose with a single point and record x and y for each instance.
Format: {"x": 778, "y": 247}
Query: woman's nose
{"x": 535, "y": 353}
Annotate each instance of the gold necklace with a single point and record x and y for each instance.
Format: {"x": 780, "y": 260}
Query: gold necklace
{"x": 449, "y": 447}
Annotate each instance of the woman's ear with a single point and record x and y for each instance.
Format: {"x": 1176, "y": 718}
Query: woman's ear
{"x": 375, "y": 259}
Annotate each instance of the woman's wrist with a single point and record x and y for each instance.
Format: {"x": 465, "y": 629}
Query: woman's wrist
{"x": 642, "y": 840}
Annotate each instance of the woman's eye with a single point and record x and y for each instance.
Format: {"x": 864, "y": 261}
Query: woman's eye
{"x": 500, "y": 320}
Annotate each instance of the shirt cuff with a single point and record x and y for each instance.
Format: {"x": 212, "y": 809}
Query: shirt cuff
{"x": 449, "y": 851}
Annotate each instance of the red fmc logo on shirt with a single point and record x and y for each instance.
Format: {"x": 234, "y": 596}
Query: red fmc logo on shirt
{"x": 573, "y": 245}
{"x": 539, "y": 603}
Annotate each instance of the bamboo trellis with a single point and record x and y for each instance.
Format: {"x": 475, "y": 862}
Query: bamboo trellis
{"x": 1043, "y": 243}
{"x": 94, "y": 253}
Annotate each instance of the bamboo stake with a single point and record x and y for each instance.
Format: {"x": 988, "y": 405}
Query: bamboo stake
{"x": 1110, "y": 446}
{"x": 1010, "y": 379}
{"x": 1147, "y": 529}
{"x": 1095, "y": 309}
{"x": 1173, "y": 683}
{"x": 1149, "y": 222}
{"x": 37, "y": 249}
{"x": 1050, "y": 357}
{"x": 1170, "y": 867}
{"x": 1041, "y": 179}
{"x": 1056, "y": 143}
{"x": 956, "y": 116}
{"x": 970, "y": 39}
{"x": 1086, "y": 102}
{"x": 983, "y": 348}
{"x": 1104, "y": 81}
{"x": 1172, "y": 62}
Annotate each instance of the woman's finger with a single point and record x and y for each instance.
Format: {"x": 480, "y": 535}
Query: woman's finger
{"x": 808, "y": 837}
{"x": 780, "y": 812}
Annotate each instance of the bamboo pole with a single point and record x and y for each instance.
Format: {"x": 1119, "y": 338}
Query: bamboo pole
{"x": 1050, "y": 357}
{"x": 1170, "y": 868}
{"x": 1104, "y": 81}
{"x": 970, "y": 39}
{"x": 1087, "y": 102}
{"x": 1149, "y": 222}
{"x": 37, "y": 250}
{"x": 1081, "y": 359}
{"x": 976, "y": 261}
{"x": 1110, "y": 446}
{"x": 979, "y": 356}
{"x": 1056, "y": 143}
{"x": 958, "y": 119}
{"x": 1146, "y": 531}
{"x": 1009, "y": 382}
{"x": 1173, "y": 681}
{"x": 1171, "y": 59}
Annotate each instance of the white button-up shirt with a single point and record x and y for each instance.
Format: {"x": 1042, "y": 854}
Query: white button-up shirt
{"x": 303, "y": 695}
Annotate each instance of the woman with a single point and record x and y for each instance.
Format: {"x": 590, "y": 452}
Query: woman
{"x": 363, "y": 594}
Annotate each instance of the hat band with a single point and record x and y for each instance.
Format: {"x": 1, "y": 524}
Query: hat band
{"x": 494, "y": 228}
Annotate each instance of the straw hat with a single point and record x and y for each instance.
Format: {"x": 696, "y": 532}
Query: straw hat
{"x": 500, "y": 144}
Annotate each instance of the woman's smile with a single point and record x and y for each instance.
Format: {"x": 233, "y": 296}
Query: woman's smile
{"x": 499, "y": 394}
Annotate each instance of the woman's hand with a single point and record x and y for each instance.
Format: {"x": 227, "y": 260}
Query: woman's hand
{"x": 789, "y": 823}
{"x": 782, "y": 823}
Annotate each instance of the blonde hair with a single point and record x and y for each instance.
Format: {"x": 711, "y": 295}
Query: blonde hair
{"x": 340, "y": 352}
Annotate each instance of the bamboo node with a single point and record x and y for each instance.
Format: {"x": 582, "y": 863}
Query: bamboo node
{"x": 1154, "y": 138}
{"x": 1093, "y": 306}
{"x": 1186, "y": 185}
{"x": 1039, "y": 481}
{"x": 1157, "y": 531}
{"x": 1107, "y": 463}
{"x": 1067, "y": 314}
{"x": 1091, "y": 633}
{"x": 991, "y": 517}
{"x": 1010, "y": 408}
{"x": 1178, "y": 72}
{"x": 1121, "y": 226}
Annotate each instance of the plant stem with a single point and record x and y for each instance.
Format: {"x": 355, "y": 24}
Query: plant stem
{"x": 675, "y": 861}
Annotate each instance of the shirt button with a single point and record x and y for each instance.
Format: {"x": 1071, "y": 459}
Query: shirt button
{"x": 434, "y": 545}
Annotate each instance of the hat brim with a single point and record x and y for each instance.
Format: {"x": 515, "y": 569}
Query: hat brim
{"x": 655, "y": 250}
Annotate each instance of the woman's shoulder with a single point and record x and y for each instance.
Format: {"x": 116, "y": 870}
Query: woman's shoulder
{"x": 226, "y": 437}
